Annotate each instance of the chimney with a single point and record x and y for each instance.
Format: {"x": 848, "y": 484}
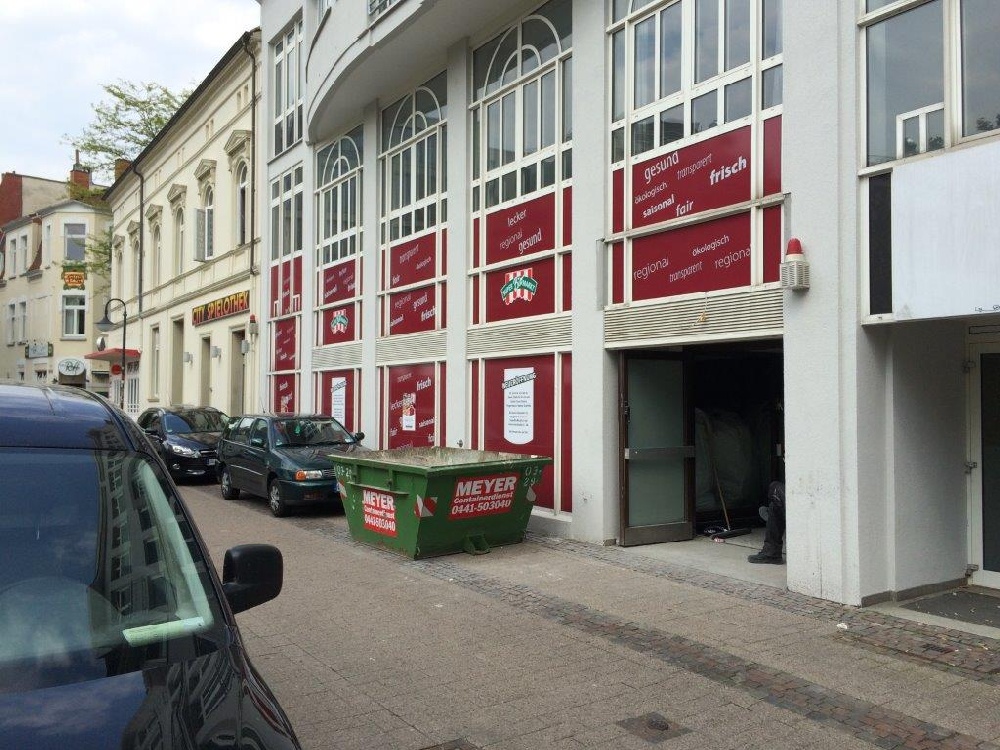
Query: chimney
{"x": 79, "y": 175}
{"x": 120, "y": 166}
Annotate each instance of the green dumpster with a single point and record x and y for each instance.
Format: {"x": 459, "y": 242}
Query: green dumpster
{"x": 424, "y": 502}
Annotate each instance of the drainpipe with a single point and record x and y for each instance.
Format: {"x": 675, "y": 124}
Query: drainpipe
{"x": 142, "y": 235}
{"x": 248, "y": 48}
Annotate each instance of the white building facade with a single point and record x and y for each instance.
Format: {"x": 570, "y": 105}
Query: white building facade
{"x": 185, "y": 256}
{"x": 561, "y": 228}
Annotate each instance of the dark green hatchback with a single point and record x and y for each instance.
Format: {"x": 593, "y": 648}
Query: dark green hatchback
{"x": 286, "y": 458}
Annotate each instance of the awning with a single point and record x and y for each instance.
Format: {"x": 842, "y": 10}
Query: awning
{"x": 114, "y": 356}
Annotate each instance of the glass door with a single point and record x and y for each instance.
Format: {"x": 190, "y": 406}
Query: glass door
{"x": 984, "y": 518}
{"x": 657, "y": 461}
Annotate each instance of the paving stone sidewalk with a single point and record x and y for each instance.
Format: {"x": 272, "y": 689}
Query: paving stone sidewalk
{"x": 558, "y": 644}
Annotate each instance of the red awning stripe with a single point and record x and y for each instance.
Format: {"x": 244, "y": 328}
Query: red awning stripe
{"x": 115, "y": 355}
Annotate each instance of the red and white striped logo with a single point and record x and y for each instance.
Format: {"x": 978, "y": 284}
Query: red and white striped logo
{"x": 425, "y": 507}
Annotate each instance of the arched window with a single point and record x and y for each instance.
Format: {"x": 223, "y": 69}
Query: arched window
{"x": 155, "y": 258}
{"x": 205, "y": 244}
{"x": 179, "y": 241}
{"x": 242, "y": 204}
{"x": 338, "y": 169}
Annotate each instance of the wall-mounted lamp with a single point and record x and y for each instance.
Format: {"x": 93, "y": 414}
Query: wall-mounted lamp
{"x": 215, "y": 352}
{"x": 252, "y": 325}
{"x": 187, "y": 357}
{"x": 244, "y": 347}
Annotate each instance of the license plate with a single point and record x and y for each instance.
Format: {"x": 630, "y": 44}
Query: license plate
{"x": 210, "y": 461}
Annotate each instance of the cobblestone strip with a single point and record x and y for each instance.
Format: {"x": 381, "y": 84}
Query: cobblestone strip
{"x": 865, "y": 721}
{"x": 971, "y": 656}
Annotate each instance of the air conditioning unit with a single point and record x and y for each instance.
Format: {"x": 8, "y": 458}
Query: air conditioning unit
{"x": 795, "y": 268}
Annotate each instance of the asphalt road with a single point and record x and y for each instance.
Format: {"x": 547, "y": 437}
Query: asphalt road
{"x": 557, "y": 644}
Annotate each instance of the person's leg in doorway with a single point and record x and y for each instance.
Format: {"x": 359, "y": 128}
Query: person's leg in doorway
{"x": 774, "y": 531}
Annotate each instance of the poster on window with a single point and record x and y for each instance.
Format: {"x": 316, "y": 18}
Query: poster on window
{"x": 338, "y": 399}
{"x": 339, "y": 282}
{"x": 520, "y": 407}
{"x": 697, "y": 258}
{"x": 705, "y": 175}
{"x": 521, "y": 291}
{"x": 411, "y": 406}
{"x": 283, "y": 394}
{"x": 521, "y": 230}
{"x": 413, "y": 311}
{"x": 284, "y": 344}
{"x": 412, "y": 261}
{"x": 337, "y": 396}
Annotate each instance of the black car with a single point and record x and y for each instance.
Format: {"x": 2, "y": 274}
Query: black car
{"x": 186, "y": 437}
{"x": 287, "y": 458}
{"x": 115, "y": 631}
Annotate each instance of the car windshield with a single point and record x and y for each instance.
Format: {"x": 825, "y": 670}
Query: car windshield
{"x": 311, "y": 431}
{"x": 102, "y": 572}
{"x": 197, "y": 420}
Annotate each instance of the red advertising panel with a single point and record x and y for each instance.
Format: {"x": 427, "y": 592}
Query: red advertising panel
{"x": 413, "y": 261}
{"x": 567, "y": 219}
{"x": 618, "y": 273}
{"x": 521, "y": 230}
{"x": 286, "y": 287}
{"x": 337, "y": 396}
{"x": 772, "y": 244}
{"x": 519, "y": 404}
{"x": 699, "y": 177}
{"x": 772, "y": 156}
{"x": 697, "y": 258}
{"x": 567, "y": 281}
{"x": 411, "y": 406}
{"x": 379, "y": 511}
{"x": 521, "y": 291}
{"x": 283, "y": 393}
{"x": 566, "y": 456}
{"x": 618, "y": 201}
{"x": 412, "y": 311}
{"x": 338, "y": 282}
{"x": 285, "y": 344}
{"x": 337, "y": 324}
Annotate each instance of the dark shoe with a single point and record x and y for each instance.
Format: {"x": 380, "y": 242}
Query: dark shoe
{"x": 760, "y": 557}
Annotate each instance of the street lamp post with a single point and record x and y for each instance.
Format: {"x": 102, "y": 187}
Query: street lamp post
{"x": 104, "y": 325}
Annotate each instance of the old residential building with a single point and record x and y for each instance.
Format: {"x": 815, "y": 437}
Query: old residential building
{"x": 185, "y": 259}
{"x": 47, "y": 297}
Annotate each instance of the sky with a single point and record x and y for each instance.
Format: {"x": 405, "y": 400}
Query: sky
{"x": 58, "y": 54}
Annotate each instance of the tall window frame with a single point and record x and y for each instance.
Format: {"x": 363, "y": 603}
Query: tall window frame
{"x": 521, "y": 110}
{"x": 155, "y": 255}
{"x": 74, "y": 241}
{"x": 683, "y": 68}
{"x": 339, "y": 174}
{"x": 154, "y": 375}
{"x": 242, "y": 203}
{"x": 74, "y": 315}
{"x": 179, "y": 240}
{"x": 286, "y": 214}
{"x": 286, "y": 77}
{"x": 413, "y": 162}
{"x": 937, "y": 56}
{"x": 205, "y": 216}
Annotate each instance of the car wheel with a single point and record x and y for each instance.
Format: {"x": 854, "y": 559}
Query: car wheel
{"x": 274, "y": 500}
{"x": 226, "y": 485}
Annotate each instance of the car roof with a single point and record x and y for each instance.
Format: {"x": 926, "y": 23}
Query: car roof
{"x": 51, "y": 416}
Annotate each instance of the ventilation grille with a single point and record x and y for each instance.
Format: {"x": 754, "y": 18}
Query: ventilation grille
{"x": 720, "y": 316}
{"x": 419, "y": 347}
{"x": 547, "y": 333}
{"x": 342, "y": 355}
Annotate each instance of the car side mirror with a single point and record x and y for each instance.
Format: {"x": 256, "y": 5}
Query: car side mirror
{"x": 359, "y": 436}
{"x": 251, "y": 574}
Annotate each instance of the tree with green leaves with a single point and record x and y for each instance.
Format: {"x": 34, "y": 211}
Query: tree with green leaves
{"x": 125, "y": 121}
